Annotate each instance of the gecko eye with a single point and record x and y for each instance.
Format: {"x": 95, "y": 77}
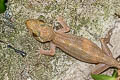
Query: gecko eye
{"x": 42, "y": 21}
{"x": 34, "y": 35}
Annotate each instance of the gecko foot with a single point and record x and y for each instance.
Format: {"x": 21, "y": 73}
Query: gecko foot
{"x": 108, "y": 36}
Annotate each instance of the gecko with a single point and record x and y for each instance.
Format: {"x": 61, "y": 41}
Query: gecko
{"x": 78, "y": 47}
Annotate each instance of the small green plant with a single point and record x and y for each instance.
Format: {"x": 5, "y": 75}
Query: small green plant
{"x": 105, "y": 77}
{"x": 2, "y": 6}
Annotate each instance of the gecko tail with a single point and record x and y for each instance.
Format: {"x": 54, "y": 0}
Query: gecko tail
{"x": 103, "y": 67}
{"x": 100, "y": 68}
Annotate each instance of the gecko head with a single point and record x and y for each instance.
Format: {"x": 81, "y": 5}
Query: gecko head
{"x": 40, "y": 30}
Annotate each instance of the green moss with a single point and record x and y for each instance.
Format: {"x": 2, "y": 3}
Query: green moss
{"x": 2, "y": 6}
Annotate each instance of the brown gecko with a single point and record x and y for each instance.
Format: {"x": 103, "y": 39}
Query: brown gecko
{"x": 78, "y": 47}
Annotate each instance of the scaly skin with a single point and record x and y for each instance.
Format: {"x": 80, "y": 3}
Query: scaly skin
{"x": 78, "y": 47}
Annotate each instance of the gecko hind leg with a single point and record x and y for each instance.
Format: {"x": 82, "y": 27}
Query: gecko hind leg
{"x": 104, "y": 41}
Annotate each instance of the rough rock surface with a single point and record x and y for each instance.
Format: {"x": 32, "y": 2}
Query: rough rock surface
{"x": 89, "y": 18}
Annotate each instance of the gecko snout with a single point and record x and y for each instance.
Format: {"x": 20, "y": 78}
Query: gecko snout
{"x": 28, "y": 23}
{"x": 31, "y": 24}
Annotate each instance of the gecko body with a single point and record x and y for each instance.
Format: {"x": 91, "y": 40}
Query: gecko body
{"x": 78, "y": 47}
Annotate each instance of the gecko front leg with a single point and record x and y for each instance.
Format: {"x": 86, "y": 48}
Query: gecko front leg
{"x": 64, "y": 25}
{"x": 65, "y": 28}
{"x": 50, "y": 52}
